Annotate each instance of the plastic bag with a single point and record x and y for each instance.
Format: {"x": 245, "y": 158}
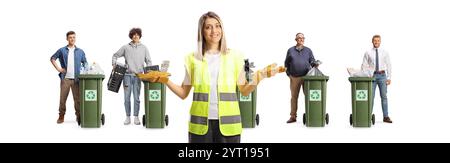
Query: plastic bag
{"x": 359, "y": 73}
{"x": 92, "y": 69}
{"x": 314, "y": 72}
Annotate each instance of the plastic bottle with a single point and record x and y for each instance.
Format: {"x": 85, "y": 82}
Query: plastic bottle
{"x": 86, "y": 68}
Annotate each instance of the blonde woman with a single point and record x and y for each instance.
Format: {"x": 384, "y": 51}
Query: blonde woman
{"x": 215, "y": 71}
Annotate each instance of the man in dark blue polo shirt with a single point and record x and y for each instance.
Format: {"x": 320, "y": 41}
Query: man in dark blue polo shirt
{"x": 299, "y": 60}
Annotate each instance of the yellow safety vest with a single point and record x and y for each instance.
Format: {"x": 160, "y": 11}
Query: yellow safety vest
{"x": 231, "y": 65}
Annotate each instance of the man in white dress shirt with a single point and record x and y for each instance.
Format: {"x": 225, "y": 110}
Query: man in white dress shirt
{"x": 377, "y": 61}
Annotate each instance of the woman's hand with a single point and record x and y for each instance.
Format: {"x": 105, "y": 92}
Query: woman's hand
{"x": 268, "y": 71}
{"x": 155, "y": 76}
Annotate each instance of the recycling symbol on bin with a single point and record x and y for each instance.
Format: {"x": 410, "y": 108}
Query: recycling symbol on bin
{"x": 90, "y": 95}
{"x": 361, "y": 95}
{"x": 154, "y": 95}
{"x": 315, "y": 95}
{"x": 245, "y": 98}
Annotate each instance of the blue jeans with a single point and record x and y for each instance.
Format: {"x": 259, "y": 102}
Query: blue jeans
{"x": 380, "y": 80}
{"x": 131, "y": 83}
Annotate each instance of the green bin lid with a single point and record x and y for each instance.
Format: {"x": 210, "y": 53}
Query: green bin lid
{"x": 315, "y": 78}
{"x": 361, "y": 79}
{"x": 91, "y": 76}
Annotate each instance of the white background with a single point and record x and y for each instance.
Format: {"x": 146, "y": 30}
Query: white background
{"x": 415, "y": 32}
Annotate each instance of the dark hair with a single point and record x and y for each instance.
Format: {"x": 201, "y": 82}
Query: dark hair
{"x": 70, "y": 33}
{"x": 135, "y": 31}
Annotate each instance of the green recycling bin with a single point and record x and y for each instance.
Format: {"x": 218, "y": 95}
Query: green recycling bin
{"x": 91, "y": 101}
{"x": 247, "y": 105}
{"x": 315, "y": 88}
{"x": 155, "y": 106}
{"x": 362, "y": 102}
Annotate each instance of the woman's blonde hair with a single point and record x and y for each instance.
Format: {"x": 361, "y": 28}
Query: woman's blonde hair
{"x": 201, "y": 42}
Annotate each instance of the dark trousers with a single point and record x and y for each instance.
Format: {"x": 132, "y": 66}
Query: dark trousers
{"x": 213, "y": 135}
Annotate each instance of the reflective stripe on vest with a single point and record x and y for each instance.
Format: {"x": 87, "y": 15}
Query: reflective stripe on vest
{"x": 199, "y": 120}
{"x": 230, "y": 119}
{"x": 200, "y": 97}
{"x": 228, "y": 97}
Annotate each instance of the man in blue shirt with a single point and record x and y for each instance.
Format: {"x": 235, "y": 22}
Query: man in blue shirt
{"x": 299, "y": 60}
{"x": 70, "y": 59}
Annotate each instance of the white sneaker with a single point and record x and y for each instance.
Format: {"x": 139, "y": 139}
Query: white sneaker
{"x": 136, "y": 120}
{"x": 127, "y": 121}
